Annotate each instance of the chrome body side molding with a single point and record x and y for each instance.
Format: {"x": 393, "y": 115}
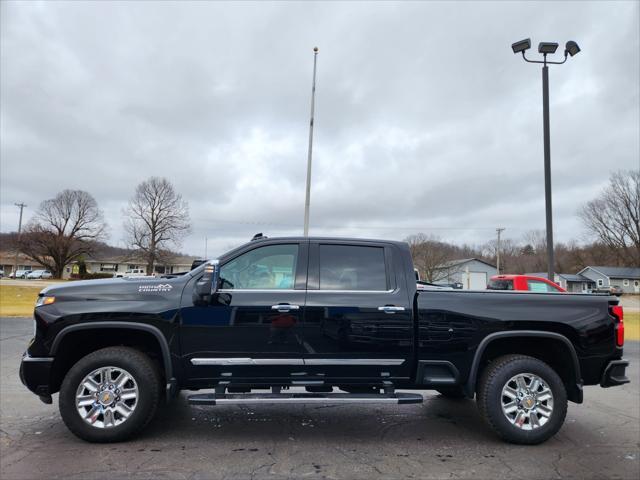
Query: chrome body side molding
{"x": 296, "y": 361}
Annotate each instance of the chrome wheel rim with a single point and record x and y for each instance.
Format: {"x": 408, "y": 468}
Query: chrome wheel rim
{"x": 107, "y": 397}
{"x": 527, "y": 401}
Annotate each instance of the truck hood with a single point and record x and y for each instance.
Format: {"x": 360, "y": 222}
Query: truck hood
{"x": 115, "y": 288}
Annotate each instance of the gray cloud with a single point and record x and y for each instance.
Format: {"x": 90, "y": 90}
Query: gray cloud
{"x": 425, "y": 119}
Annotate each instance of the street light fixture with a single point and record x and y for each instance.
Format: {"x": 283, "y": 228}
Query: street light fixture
{"x": 571, "y": 48}
{"x": 521, "y": 46}
{"x": 546, "y": 48}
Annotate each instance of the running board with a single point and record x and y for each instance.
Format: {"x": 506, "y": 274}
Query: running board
{"x": 210, "y": 399}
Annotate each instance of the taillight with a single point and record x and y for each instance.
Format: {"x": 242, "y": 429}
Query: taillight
{"x": 618, "y": 312}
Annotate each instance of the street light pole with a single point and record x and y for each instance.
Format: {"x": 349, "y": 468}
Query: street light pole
{"x": 547, "y": 171}
{"x": 313, "y": 98}
{"x": 546, "y": 48}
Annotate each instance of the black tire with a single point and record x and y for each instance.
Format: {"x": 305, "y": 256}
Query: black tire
{"x": 497, "y": 375}
{"x": 146, "y": 376}
{"x": 452, "y": 393}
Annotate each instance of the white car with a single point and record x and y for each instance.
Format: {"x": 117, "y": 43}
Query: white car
{"x": 42, "y": 274}
{"x": 20, "y": 274}
{"x": 136, "y": 272}
{"x": 421, "y": 286}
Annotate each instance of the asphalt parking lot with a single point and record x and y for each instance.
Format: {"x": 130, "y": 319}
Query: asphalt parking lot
{"x": 440, "y": 439}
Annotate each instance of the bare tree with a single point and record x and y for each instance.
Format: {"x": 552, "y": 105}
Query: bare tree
{"x": 429, "y": 255}
{"x": 534, "y": 252}
{"x": 63, "y": 229}
{"x": 509, "y": 253}
{"x": 614, "y": 216}
{"x": 157, "y": 218}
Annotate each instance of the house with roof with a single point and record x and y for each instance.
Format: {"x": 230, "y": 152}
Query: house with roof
{"x": 472, "y": 273}
{"x": 117, "y": 265}
{"x": 575, "y": 282}
{"x": 627, "y": 278}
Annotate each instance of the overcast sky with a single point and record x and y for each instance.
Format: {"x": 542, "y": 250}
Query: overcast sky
{"x": 425, "y": 119}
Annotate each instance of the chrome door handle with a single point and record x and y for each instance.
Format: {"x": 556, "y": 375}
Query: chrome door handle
{"x": 284, "y": 307}
{"x": 391, "y": 309}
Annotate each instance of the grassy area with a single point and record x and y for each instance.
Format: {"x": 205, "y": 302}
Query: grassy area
{"x": 632, "y": 325}
{"x": 17, "y": 301}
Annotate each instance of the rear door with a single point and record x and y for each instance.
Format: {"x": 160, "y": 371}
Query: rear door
{"x": 357, "y": 322}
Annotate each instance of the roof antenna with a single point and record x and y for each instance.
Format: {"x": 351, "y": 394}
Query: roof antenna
{"x": 258, "y": 236}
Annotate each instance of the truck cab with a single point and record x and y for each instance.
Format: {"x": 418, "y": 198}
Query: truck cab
{"x": 529, "y": 283}
{"x": 283, "y": 304}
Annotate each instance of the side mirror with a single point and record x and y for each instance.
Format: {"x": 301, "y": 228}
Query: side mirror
{"x": 207, "y": 286}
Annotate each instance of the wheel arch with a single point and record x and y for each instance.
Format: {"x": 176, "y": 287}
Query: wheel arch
{"x": 496, "y": 342}
{"x": 142, "y": 330}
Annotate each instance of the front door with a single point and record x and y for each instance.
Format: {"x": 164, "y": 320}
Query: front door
{"x": 358, "y": 316}
{"x": 252, "y": 328}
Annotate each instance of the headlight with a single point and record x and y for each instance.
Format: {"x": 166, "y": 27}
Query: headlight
{"x": 45, "y": 300}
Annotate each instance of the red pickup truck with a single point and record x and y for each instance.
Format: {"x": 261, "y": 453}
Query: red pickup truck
{"x": 523, "y": 282}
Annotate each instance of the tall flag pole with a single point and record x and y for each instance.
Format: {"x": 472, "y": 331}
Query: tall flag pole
{"x": 313, "y": 98}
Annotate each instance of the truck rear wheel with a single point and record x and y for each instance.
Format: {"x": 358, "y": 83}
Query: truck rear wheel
{"x": 522, "y": 399}
{"x": 110, "y": 394}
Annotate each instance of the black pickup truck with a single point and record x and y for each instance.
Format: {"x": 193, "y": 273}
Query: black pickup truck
{"x": 322, "y": 320}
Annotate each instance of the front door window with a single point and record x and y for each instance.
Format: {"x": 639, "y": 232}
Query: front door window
{"x": 268, "y": 268}
{"x": 538, "y": 286}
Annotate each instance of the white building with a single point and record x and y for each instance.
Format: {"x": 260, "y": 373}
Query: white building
{"x": 118, "y": 265}
{"x": 472, "y": 273}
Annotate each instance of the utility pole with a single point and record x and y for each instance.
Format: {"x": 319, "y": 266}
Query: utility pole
{"x": 15, "y": 263}
{"x": 499, "y": 230}
{"x": 313, "y": 98}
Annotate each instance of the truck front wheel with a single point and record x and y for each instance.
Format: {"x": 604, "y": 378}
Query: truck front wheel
{"x": 522, "y": 399}
{"x": 110, "y": 394}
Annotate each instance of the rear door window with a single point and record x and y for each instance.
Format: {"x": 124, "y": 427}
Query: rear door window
{"x": 351, "y": 267}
